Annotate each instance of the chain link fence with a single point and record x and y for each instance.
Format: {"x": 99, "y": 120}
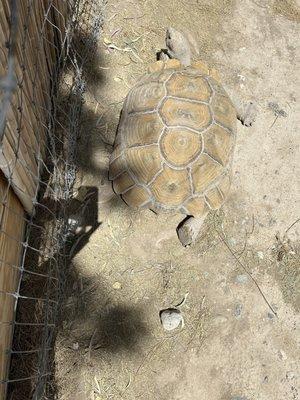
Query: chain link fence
{"x": 44, "y": 48}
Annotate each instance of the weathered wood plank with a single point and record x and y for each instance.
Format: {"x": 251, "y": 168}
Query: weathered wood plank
{"x": 12, "y": 226}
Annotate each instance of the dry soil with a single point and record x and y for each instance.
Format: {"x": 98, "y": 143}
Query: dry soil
{"x": 240, "y": 280}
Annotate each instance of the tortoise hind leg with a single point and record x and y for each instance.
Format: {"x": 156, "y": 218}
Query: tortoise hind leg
{"x": 188, "y": 230}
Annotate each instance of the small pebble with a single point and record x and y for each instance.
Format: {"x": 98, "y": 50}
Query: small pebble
{"x": 260, "y": 255}
{"x": 232, "y": 241}
{"x": 272, "y": 222}
{"x": 290, "y": 375}
{"x": 171, "y": 318}
{"x": 220, "y": 319}
{"x": 239, "y": 398}
{"x": 238, "y": 310}
{"x": 74, "y": 225}
{"x": 243, "y": 278}
{"x": 282, "y": 355}
{"x": 75, "y": 346}
{"x": 271, "y": 315}
{"x": 117, "y": 285}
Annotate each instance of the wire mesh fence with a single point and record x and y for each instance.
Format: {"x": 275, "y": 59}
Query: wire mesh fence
{"x": 44, "y": 47}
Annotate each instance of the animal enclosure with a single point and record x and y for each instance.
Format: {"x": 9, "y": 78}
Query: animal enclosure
{"x": 41, "y": 88}
{"x": 84, "y": 278}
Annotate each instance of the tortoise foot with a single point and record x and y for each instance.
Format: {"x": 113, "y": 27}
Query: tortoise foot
{"x": 247, "y": 114}
{"x": 162, "y": 55}
{"x": 189, "y": 229}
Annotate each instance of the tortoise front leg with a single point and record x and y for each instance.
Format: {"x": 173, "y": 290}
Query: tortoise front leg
{"x": 188, "y": 230}
{"x": 246, "y": 113}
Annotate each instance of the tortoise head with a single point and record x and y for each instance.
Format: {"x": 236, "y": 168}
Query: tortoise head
{"x": 178, "y": 46}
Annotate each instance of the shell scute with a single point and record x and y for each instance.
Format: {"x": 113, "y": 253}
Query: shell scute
{"x": 143, "y": 162}
{"x": 224, "y": 111}
{"x": 142, "y": 129}
{"x": 218, "y": 143}
{"x": 204, "y": 172}
{"x": 180, "y": 146}
{"x": 185, "y": 113}
{"x": 171, "y": 187}
{"x": 196, "y": 206}
{"x": 136, "y": 197}
{"x": 145, "y": 97}
{"x": 189, "y": 87}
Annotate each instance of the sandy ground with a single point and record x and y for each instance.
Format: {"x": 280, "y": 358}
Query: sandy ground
{"x": 241, "y": 279}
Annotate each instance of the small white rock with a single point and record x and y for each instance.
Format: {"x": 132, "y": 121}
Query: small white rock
{"x": 282, "y": 355}
{"x": 117, "y": 286}
{"x": 232, "y": 241}
{"x": 220, "y": 319}
{"x": 260, "y": 255}
{"x": 242, "y": 278}
{"x": 171, "y": 318}
{"x": 75, "y": 346}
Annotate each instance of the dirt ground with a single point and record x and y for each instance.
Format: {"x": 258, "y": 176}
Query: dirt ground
{"x": 240, "y": 280}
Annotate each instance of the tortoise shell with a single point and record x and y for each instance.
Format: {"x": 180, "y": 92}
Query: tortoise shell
{"x": 175, "y": 141}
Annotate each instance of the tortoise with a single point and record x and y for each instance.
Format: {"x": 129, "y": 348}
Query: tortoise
{"x": 175, "y": 140}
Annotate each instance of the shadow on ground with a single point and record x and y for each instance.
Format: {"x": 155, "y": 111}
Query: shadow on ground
{"x": 53, "y": 296}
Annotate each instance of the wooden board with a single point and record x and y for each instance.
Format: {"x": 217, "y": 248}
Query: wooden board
{"x": 12, "y": 225}
{"x": 37, "y": 44}
{"x": 41, "y": 27}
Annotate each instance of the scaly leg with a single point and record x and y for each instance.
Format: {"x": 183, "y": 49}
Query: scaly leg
{"x": 189, "y": 229}
{"x": 246, "y": 113}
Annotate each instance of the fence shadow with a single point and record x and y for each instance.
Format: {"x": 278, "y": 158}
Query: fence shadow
{"x": 52, "y": 294}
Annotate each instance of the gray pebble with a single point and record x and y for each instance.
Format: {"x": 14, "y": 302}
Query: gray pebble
{"x": 271, "y": 315}
{"x": 232, "y": 241}
{"x": 260, "y": 255}
{"x": 238, "y": 310}
{"x": 171, "y": 318}
{"x": 239, "y": 398}
{"x": 243, "y": 278}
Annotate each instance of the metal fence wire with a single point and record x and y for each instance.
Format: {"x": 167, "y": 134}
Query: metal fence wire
{"x": 44, "y": 49}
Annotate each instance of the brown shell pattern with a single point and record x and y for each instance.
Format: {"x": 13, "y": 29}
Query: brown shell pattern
{"x": 175, "y": 141}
